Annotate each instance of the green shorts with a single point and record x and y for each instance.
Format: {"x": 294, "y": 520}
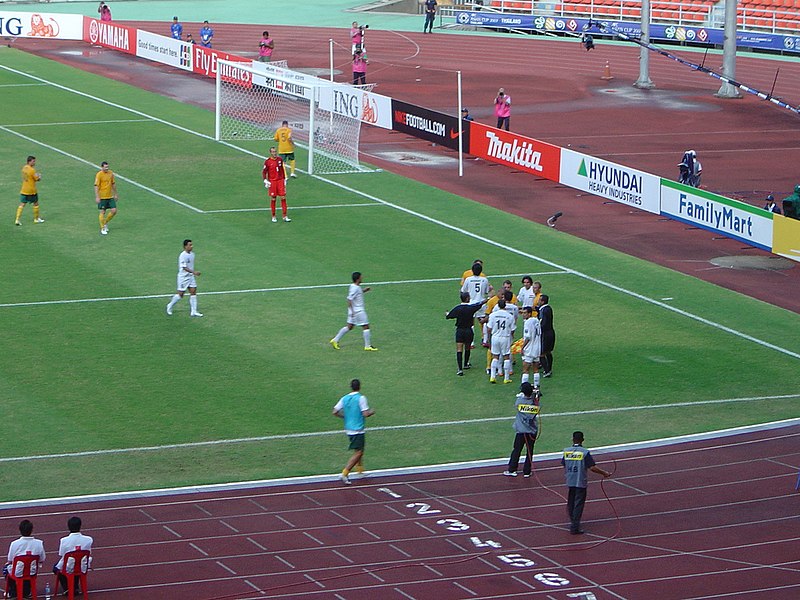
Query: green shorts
{"x": 25, "y": 198}
{"x": 357, "y": 441}
{"x": 107, "y": 203}
{"x": 287, "y": 157}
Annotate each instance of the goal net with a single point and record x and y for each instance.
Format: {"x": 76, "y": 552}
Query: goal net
{"x": 253, "y": 101}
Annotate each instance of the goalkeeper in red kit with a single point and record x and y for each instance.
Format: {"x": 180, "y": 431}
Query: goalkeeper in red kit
{"x": 275, "y": 181}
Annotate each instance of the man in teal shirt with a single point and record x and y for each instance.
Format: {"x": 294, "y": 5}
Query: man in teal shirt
{"x": 353, "y": 408}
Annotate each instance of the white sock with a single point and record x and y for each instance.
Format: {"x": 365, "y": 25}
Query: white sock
{"x": 193, "y": 303}
{"x": 507, "y": 367}
{"x": 340, "y": 335}
{"x": 367, "y": 337}
{"x": 536, "y": 380}
{"x": 174, "y": 300}
{"x": 524, "y": 378}
{"x": 495, "y": 362}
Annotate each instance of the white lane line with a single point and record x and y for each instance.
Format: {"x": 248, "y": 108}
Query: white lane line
{"x": 91, "y": 164}
{"x": 198, "y": 548}
{"x": 8, "y": 85}
{"x": 256, "y": 544}
{"x": 342, "y": 556}
{"x": 172, "y": 531}
{"x": 266, "y": 438}
{"x": 424, "y": 217}
{"x": 263, "y": 290}
{"x": 229, "y": 526}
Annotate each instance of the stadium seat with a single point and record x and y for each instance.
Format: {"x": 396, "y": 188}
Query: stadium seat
{"x": 77, "y": 557}
{"x": 28, "y": 561}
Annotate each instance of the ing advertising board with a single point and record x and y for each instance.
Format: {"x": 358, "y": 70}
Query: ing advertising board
{"x": 52, "y": 26}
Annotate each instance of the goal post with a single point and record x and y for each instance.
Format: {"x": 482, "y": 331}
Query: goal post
{"x": 253, "y": 100}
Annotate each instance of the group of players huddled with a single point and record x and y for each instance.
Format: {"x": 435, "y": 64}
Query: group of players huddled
{"x": 497, "y": 313}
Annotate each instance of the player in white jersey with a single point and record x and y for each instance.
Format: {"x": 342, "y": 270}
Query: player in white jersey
{"x": 532, "y": 346}
{"x": 526, "y": 295}
{"x": 500, "y": 326}
{"x": 186, "y": 280}
{"x": 478, "y": 288}
{"x": 356, "y": 315}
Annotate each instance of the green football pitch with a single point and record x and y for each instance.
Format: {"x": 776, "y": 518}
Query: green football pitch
{"x": 102, "y": 391}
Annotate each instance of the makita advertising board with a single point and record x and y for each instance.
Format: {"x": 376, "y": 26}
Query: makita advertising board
{"x": 516, "y": 151}
{"x": 427, "y": 124}
{"x": 610, "y": 180}
{"x": 52, "y": 26}
{"x": 727, "y": 217}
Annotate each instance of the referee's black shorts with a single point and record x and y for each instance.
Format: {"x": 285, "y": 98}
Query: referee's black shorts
{"x": 464, "y": 336}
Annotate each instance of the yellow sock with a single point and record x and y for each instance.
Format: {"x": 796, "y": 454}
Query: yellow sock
{"x": 345, "y": 472}
{"x": 101, "y": 218}
{"x": 109, "y": 216}
{"x": 291, "y": 164}
{"x": 19, "y": 211}
{"x": 35, "y": 212}
{"x": 359, "y": 468}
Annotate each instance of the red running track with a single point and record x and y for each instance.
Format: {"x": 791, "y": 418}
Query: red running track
{"x": 709, "y": 518}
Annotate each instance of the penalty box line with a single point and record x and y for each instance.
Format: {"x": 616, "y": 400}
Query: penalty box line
{"x": 293, "y": 288}
{"x": 429, "y": 219}
{"x": 460, "y": 422}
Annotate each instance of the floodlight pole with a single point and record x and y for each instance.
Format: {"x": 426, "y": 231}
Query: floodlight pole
{"x": 644, "y": 82}
{"x": 729, "y": 52}
{"x": 460, "y": 129}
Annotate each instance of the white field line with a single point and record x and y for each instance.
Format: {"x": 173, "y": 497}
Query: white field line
{"x": 78, "y": 123}
{"x": 5, "y": 85}
{"x": 460, "y": 422}
{"x": 91, "y": 164}
{"x": 261, "y": 290}
{"x": 444, "y": 225}
{"x": 291, "y": 208}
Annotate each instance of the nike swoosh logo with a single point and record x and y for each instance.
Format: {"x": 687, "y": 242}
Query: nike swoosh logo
{"x": 453, "y": 134}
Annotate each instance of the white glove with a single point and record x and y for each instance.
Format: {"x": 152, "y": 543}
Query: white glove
{"x": 266, "y": 183}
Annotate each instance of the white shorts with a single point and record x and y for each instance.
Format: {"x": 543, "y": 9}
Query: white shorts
{"x": 501, "y": 345}
{"x": 530, "y": 359}
{"x": 186, "y": 281}
{"x": 358, "y": 318}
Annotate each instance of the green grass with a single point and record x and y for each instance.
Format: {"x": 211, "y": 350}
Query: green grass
{"x": 120, "y": 374}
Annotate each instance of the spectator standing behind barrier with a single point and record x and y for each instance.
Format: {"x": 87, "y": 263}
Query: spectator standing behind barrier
{"x": 104, "y": 12}
{"x": 190, "y": 39}
{"x": 576, "y": 460}
{"x": 265, "y": 47}
{"x": 357, "y": 36}
{"x": 206, "y": 34}
{"x": 502, "y": 109}
{"x": 19, "y": 547}
{"x": 430, "y": 15}
{"x": 176, "y": 29}
{"x": 360, "y": 63}
{"x": 771, "y": 205}
{"x": 465, "y": 114}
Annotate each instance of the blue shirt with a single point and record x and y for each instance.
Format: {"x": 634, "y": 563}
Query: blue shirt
{"x": 206, "y": 33}
{"x": 177, "y": 30}
{"x": 352, "y": 406}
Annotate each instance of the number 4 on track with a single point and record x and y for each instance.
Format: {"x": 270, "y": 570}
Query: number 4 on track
{"x": 487, "y": 544}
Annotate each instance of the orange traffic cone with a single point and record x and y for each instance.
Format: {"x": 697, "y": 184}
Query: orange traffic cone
{"x": 607, "y": 76}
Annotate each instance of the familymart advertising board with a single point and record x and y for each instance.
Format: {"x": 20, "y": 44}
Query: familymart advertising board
{"x": 609, "y": 180}
{"x": 731, "y": 218}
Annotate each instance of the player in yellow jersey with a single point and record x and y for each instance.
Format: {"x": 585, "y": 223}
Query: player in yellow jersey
{"x": 28, "y": 193}
{"x": 286, "y": 146}
{"x": 105, "y": 195}
{"x": 468, "y": 272}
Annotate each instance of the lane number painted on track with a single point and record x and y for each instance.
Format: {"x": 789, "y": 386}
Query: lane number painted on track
{"x": 479, "y": 543}
{"x": 551, "y": 579}
{"x": 453, "y": 524}
{"x": 423, "y": 508}
{"x": 390, "y": 492}
{"x": 516, "y": 560}
{"x": 584, "y": 595}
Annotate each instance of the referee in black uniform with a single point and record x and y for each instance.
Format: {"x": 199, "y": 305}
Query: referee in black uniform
{"x": 464, "y": 314}
{"x": 548, "y": 335}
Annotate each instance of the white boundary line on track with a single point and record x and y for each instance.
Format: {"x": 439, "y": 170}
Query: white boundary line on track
{"x": 268, "y": 483}
{"x": 293, "y": 288}
{"x": 314, "y": 434}
{"x": 264, "y": 208}
{"x": 434, "y": 221}
{"x": 8, "y": 85}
